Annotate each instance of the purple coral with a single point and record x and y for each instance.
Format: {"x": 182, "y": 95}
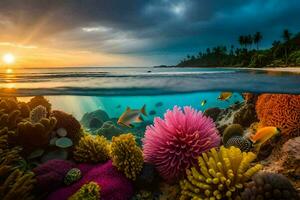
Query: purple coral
{"x": 50, "y": 175}
{"x": 174, "y": 143}
{"x": 114, "y": 185}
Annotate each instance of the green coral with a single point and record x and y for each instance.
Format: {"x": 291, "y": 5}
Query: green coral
{"x": 220, "y": 175}
{"x": 92, "y": 149}
{"x": 126, "y": 155}
{"x": 72, "y": 176}
{"x": 89, "y": 191}
{"x": 231, "y": 131}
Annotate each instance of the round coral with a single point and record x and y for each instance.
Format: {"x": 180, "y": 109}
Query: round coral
{"x": 126, "y": 155}
{"x": 39, "y": 100}
{"x": 174, "y": 143}
{"x": 89, "y": 191}
{"x": 267, "y": 185}
{"x": 280, "y": 110}
{"x": 240, "y": 142}
{"x": 92, "y": 149}
{"x": 69, "y": 123}
{"x": 72, "y": 176}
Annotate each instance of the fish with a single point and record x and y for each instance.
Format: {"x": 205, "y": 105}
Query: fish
{"x": 152, "y": 112}
{"x": 203, "y": 102}
{"x": 159, "y": 104}
{"x": 224, "y": 96}
{"x": 264, "y": 134}
{"x": 132, "y": 116}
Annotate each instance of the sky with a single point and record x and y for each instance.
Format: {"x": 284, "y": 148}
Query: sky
{"x": 62, "y": 33}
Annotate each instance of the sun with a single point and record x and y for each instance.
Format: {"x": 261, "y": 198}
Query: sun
{"x": 8, "y": 58}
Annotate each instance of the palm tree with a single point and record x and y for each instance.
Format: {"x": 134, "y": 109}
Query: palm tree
{"x": 242, "y": 40}
{"x": 286, "y": 37}
{"x": 249, "y": 40}
{"x": 257, "y": 38}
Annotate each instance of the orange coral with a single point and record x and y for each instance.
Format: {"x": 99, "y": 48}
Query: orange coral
{"x": 280, "y": 110}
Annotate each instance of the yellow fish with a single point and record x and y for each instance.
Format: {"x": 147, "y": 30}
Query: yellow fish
{"x": 132, "y": 115}
{"x": 203, "y": 102}
{"x": 224, "y": 96}
{"x": 263, "y": 135}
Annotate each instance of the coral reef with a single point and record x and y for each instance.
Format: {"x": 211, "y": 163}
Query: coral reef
{"x": 169, "y": 192}
{"x": 126, "y": 155}
{"x": 4, "y": 138}
{"x": 114, "y": 185}
{"x": 212, "y": 113}
{"x": 72, "y": 176}
{"x": 280, "y": 110}
{"x": 232, "y": 131}
{"x": 89, "y": 191}
{"x": 240, "y": 142}
{"x": 39, "y": 100}
{"x": 69, "y": 123}
{"x": 92, "y": 149}
{"x": 246, "y": 115}
{"x": 9, "y": 120}
{"x": 269, "y": 186}
{"x": 250, "y": 97}
{"x": 109, "y": 129}
{"x": 17, "y": 186}
{"x": 32, "y": 136}
{"x": 38, "y": 113}
{"x": 9, "y": 158}
{"x": 148, "y": 179}
{"x": 173, "y": 144}
{"x": 50, "y": 175}
{"x": 99, "y": 115}
{"x": 221, "y": 175}
{"x": 143, "y": 195}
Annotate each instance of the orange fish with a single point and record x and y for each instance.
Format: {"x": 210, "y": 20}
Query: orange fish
{"x": 263, "y": 135}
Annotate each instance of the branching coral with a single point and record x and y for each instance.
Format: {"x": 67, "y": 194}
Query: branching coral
{"x": 280, "y": 110}
{"x": 39, "y": 100}
{"x": 89, "y": 191}
{"x": 221, "y": 174}
{"x": 18, "y": 185}
{"x": 126, "y": 155}
{"x": 92, "y": 149}
{"x": 173, "y": 144}
{"x": 269, "y": 186}
{"x": 38, "y": 113}
{"x": 69, "y": 123}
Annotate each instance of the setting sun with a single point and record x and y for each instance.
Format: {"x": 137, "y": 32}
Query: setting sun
{"x": 8, "y": 58}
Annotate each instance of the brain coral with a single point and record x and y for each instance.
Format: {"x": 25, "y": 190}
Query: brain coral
{"x": 174, "y": 143}
{"x": 220, "y": 175}
{"x": 267, "y": 185}
{"x": 92, "y": 149}
{"x": 280, "y": 110}
{"x": 126, "y": 155}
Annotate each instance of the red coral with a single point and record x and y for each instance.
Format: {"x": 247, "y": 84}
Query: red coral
{"x": 280, "y": 110}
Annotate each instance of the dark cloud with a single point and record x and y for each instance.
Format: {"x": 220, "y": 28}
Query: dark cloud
{"x": 146, "y": 27}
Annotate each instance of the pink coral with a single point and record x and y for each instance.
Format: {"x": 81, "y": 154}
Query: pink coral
{"x": 114, "y": 185}
{"x": 173, "y": 144}
{"x": 50, "y": 175}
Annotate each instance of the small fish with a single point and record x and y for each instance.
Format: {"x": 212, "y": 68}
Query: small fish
{"x": 203, "y": 102}
{"x": 132, "y": 115}
{"x": 263, "y": 135}
{"x": 224, "y": 96}
{"x": 152, "y": 112}
{"x": 159, "y": 104}
{"x": 118, "y": 106}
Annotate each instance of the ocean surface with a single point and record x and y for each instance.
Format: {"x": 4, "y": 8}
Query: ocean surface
{"x": 81, "y": 90}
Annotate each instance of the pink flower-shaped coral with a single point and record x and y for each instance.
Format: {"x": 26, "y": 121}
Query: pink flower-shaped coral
{"x": 173, "y": 144}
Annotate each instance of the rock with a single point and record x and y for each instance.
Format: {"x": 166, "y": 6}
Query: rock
{"x": 109, "y": 129}
{"x": 148, "y": 178}
{"x": 212, "y": 112}
{"x": 99, "y": 115}
{"x": 95, "y": 123}
{"x": 61, "y": 132}
{"x": 246, "y": 115}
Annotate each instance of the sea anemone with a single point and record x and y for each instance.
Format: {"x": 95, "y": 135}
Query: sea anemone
{"x": 266, "y": 185}
{"x": 280, "y": 110}
{"x": 126, "y": 155}
{"x": 89, "y": 191}
{"x": 174, "y": 143}
{"x": 92, "y": 149}
{"x": 220, "y": 175}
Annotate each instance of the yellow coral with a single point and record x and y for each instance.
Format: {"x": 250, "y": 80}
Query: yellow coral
{"x": 89, "y": 191}
{"x": 126, "y": 155}
{"x": 92, "y": 149}
{"x": 221, "y": 174}
{"x": 18, "y": 185}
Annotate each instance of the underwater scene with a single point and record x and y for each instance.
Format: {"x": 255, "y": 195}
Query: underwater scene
{"x": 111, "y": 135}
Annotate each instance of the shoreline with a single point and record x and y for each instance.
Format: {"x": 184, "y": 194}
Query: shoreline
{"x": 275, "y": 69}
